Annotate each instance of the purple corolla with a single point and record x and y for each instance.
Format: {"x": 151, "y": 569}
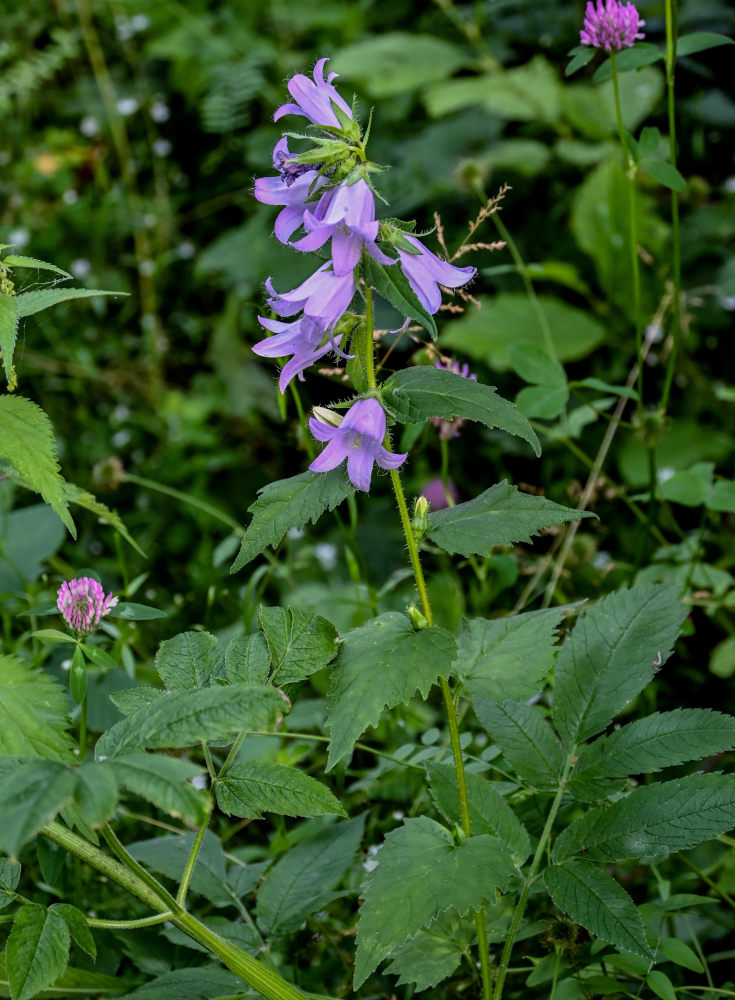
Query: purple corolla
{"x": 347, "y": 214}
{"x": 291, "y": 188}
{"x": 83, "y": 603}
{"x": 425, "y": 272}
{"x": 609, "y": 25}
{"x": 301, "y": 339}
{"x": 359, "y": 439}
{"x": 313, "y": 100}
{"x": 324, "y": 297}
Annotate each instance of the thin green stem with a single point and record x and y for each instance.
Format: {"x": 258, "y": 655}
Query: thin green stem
{"x": 186, "y": 498}
{"x": 129, "y": 925}
{"x": 370, "y": 346}
{"x": 191, "y": 863}
{"x": 141, "y": 873}
{"x": 83, "y": 728}
{"x": 671, "y": 33}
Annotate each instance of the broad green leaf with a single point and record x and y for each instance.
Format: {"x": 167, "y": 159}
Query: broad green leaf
{"x": 37, "y": 951}
{"x": 641, "y": 54}
{"x": 187, "y": 718}
{"x": 610, "y": 657}
{"x": 395, "y": 62}
{"x": 299, "y": 643}
{"x": 35, "y": 301}
{"x": 208, "y": 982}
{"x": 390, "y": 282}
{"x": 27, "y": 442}
{"x": 535, "y": 364}
{"x": 99, "y": 656}
{"x": 290, "y": 503}
{"x": 595, "y": 900}
{"x": 498, "y": 516}
{"x": 661, "y": 985}
{"x": 96, "y": 793}
{"x": 489, "y": 812}
{"x": 722, "y": 497}
{"x": 664, "y": 173}
{"x": 28, "y": 537}
{"x": 420, "y": 874}
{"x": 414, "y": 394}
{"x": 668, "y": 816}
{"x": 680, "y": 953}
{"x": 34, "y": 713}
{"x": 129, "y": 611}
{"x": 258, "y": 786}
{"x": 664, "y": 739}
{"x": 698, "y": 41}
{"x": 18, "y": 260}
{"x": 606, "y": 387}
{"x": 129, "y": 700}
{"x": 434, "y": 953}
{"x": 53, "y": 635}
{"x": 503, "y": 658}
{"x": 526, "y": 739}
{"x": 164, "y": 782}
{"x": 248, "y": 659}
{"x": 78, "y": 927}
{"x": 303, "y": 880}
{"x": 8, "y": 332}
{"x": 9, "y": 878}
{"x": 382, "y": 663}
{"x": 542, "y": 401}
{"x": 190, "y": 660}
{"x": 168, "y": 856}
{"x": 73, "y": 983}
{"x": 32, "y": 791}
{"x": 509, "y": 319}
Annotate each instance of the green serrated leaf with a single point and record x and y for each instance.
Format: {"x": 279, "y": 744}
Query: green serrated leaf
{"x": 390, "y": 282}
{"x": 641, "y": 54}
{"x": 129, "y": 700}
{"x": 30, "y": 303}
{"x": 258, "y": 786}
{"x": 33, "y": 791}
{"x": 415, "y": 394}
{"x": 9, "y": 878}
{"x": 303, "y": 880}
{"x": 503, "y": 658}
{"x": 581, "y": 55}
{"x": 78, "y": 927}
{"x": 668, "y": 816}
{"x": 96, "y": 793}
{"x": 665, "y": 174}
{"x": 489, "y": 812}
{"x": 190, "y": 660}
{"x": 73, "y": 983}
{"x": 595, "y": 900}
{"x": 17, "y": 260}
{"x": 526, "y": 739}
{"x": 34, "y": 713}
{"x": 299, "y": 643}
{"x": 37, "y": 950}
{"x": 164, "y": 782}
{"x": 206, "y": 983}
{"x": 680, "y": 953}
{"x": 27, "y": 442}
{"x": 498, "y": 516}
{"x": 382, "y": 664}
{"x": 8, "y": 332}
{"x": 698, "y": 41}
{"x": 434, "y": 953}
{"x": 290, "y": 503}
{"x": 248, "y": 659}
{"x": 420, "y": 874}
{"x": 168, "y": 856}
{"x": 610, "y": 657}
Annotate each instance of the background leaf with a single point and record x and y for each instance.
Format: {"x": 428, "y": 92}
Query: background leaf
{"x": 190, "y": 660}
{"x": 33, "y": 791}
{"x": 256, "y": 786}
{"x": 299, "y": 643}
{"x": 33, "y": 713}
{"x": 526, "y": 739}
{"x": 37, "y": 950}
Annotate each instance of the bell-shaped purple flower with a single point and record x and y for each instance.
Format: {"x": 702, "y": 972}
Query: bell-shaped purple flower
{"x": 324, "y": 297}
{"x": 302, "y": 340}
{"x": 425, "y": 272}
{"x": 359, "y": 439}
{"x": 291, "y": 188}
{"x": 346, "y": 214}
{"x": 609, "y": 24}
{"x": 313, "y": 100}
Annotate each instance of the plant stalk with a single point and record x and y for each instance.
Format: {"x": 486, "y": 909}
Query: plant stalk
{"x": 671, "y": 33}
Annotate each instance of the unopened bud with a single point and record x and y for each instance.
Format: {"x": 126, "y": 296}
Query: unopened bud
{"x": 327, "y": 416}
{"x": 418, "y": 620}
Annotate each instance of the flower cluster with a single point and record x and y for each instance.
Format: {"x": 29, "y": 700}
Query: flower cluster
{"x": 609, "y": 25}
{"x": 83, "y": 604}
{"x": 328, "y": 194}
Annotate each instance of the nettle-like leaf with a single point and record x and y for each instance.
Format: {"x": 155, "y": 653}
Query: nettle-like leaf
{"x": 186, "y": 718}
{"x": 9, "y": 878}
{"x": 434, "y": 953}
{"x": 300, "y": 643}
{"x": 258, "y": 786}
{"x": 37, "y": 950}
{"x": 382, "y": 663}
{"x": 73, "y": 983}
{"x": 390, "y": 282}
{"x": 595, "y": 900}
{"x": 499, "y": 516}
{"x": 526, "y": 739}
{"x": 190, "y": 660}
{"x": 27, "y": 443}
{"x": 78, "y": 927}
{"x": 610, "y": 657}
{"x": 208, "y": 982}
{"x": 489, "y": 812}
{"x": 8, "y": 332}
{"x": 33, "y": 791}
{"x": 30, "y": 303}
{"x": 164, "y": 782}
{"x": 303, "y": 880}
{"x": 96, "y": 793}
{"x": 248, "y": 659}
{"x": 34, "y": 713}
{"x": 290, "y": 503}
{"x": 421, "y": 873}
{"x": 412, "y": 395}
{"x": 665, "y": 817}
{"x": 663, "y": 739}
{"x": 507, "y": 657}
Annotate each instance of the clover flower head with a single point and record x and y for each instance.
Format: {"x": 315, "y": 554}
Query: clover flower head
{"x": 425, "y": 272}
{"x": 314, "y": 99}
{"x": 83, "y": 604}
{"x": 609, "y": 24}
{"x": 359, "y": 439}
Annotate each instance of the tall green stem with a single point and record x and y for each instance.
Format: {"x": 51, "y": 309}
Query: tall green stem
{"x": 671, "y": 33}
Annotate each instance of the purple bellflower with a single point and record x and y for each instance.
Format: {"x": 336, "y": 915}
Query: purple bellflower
{"x": 347, "y": 214}
{"x": 314, "y": 100}
{"x": 610, "y": 25}
{"x": 291, "y": 338}
{"x": 425, "y": 272}
{"x": 449, "y": 429}
{"x": 359, "y": 439}
{"x": 324, "y": 296}
{"x": 291, "y": 189}
{"x": 83, "y": 604}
